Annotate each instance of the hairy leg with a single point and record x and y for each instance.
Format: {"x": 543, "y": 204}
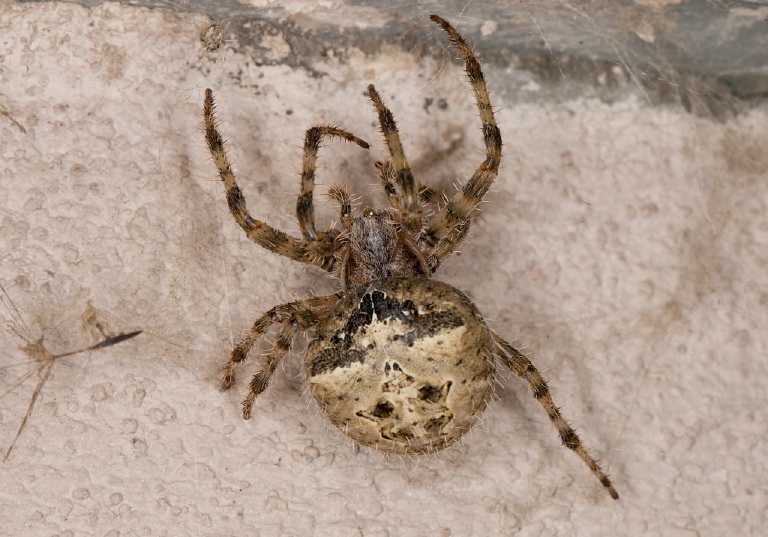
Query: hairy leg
{"x": 340, "y": 194}
{"x": 260, "y": 380}
{"x": 448, "y": 244}
{"x": 301, "y": 313}
{"x": 262, "y": 234}
{"x": 455, "y": 213}
{"x": 521, "y": 366}
{"x": 408, "y": 195}
{"x": 305, "y": 212}
{"x": 387, "y": 174}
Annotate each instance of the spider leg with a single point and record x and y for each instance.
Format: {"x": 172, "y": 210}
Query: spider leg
{"x": 301, "y": 310}
{"x": 523, "y": 368}
{"x": 305, "y": 211}
{"x": 260, "y": 380}
{"x": 408, "y": 196}
{"x": 387, "y": 174}
{"x": 448, "y": 244}
{"x": 262, "y": 234}
{"x": 456, "y": 212}
{"x": 340, "y": 194}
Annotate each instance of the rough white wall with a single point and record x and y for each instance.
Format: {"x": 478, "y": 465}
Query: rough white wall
{"x": 623, "y": 246}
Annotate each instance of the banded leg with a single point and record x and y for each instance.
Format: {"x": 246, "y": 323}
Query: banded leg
{"x": 341, "y": 195}
{"x": 387, "y": 174}
{"x": 262, "y": 234}
{"x": 448, "y": 244}
{"x": 457, "y": 210}
{"x": 523, "y": 368}
{"x": 260, "y": 380}
{"x": 305, "y": 211}
{"x": 301, "y": 312}
{"x": 408, "y": 193}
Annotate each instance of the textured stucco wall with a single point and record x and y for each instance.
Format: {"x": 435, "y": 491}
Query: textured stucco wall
{"x": 624, "y": 246}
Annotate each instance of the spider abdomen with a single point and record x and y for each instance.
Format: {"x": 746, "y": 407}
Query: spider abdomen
{"x": 402, "y": 365}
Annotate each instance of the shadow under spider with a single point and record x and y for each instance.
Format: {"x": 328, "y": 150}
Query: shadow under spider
{"x": 39, "y": 354}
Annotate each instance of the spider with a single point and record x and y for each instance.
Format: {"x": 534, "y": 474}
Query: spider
{"x": 399, "y": 362}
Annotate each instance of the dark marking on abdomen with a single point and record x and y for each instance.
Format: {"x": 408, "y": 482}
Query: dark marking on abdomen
{"x": 376, "y": 305}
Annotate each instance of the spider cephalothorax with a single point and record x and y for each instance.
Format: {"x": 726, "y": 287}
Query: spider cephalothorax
{"x": 399, "y": 362}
